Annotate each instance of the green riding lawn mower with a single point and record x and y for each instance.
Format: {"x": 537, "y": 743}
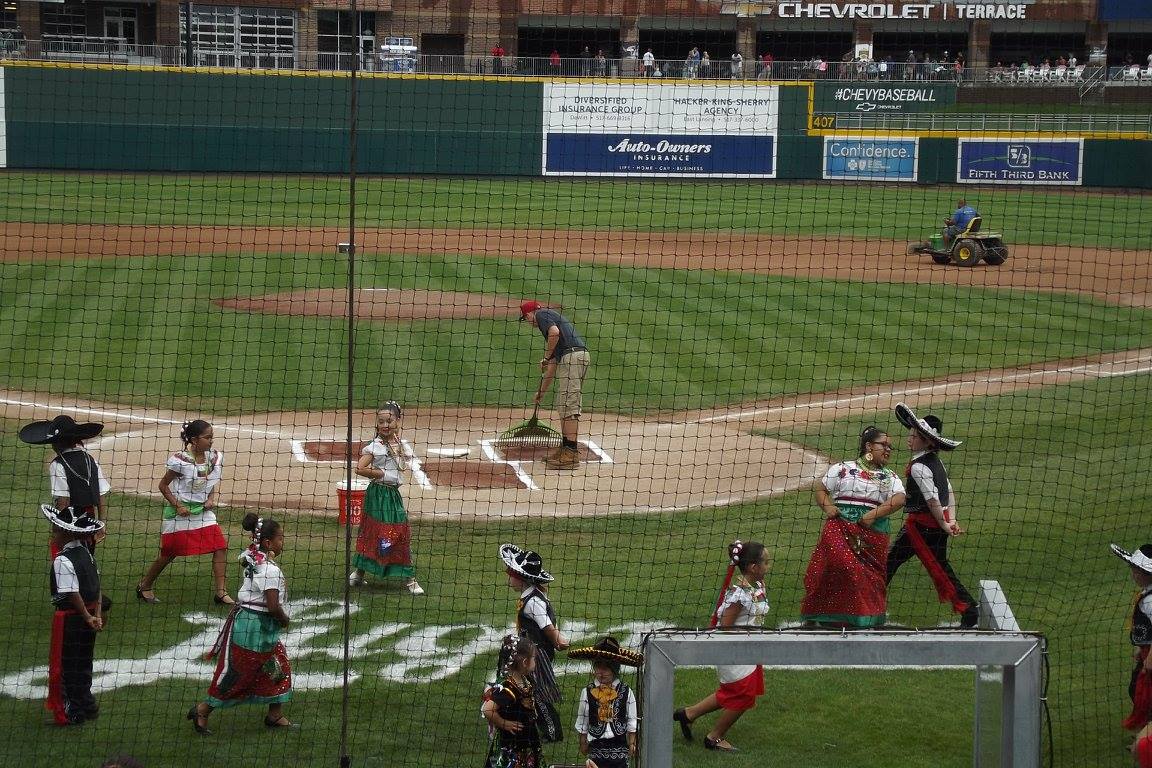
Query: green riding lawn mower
{"x": 967, "y": 249}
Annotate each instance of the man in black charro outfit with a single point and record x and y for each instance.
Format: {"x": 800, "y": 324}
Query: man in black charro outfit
{"x": 931, "y": 514}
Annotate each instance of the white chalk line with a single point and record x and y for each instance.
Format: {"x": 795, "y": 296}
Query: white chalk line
{"x": 1088, "y": 370}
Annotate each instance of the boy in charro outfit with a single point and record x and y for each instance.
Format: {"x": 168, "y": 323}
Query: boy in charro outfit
{"x": 606, "y": 717}
{"x": 80, "y": 606}
{"x": 1140, "y": 686}
{"x": 75, "y": 479}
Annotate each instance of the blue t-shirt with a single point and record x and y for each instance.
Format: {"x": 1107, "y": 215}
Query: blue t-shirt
{"x": 569, "y": 339}
{"x": 961, "y": 217}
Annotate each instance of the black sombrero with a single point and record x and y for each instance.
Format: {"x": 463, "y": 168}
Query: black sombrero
{"x": 71, "y": 520}
{"x": 525, "y": 562}
{"x": 58, "y": 429}
{"x": 1141, "y": 558}
{"x": 608, "y": 650}
{"x": 929, "y": 427}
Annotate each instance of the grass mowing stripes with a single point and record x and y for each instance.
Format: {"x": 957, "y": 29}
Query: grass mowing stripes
{"x": 706, "y": 338}
{"x": 1041, "y": 217}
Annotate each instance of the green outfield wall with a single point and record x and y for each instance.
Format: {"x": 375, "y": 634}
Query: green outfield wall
{"x": 80, "y": 117}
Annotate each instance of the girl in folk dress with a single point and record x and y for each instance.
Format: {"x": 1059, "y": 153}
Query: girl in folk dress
{"x": 744, "y": 603}
{"x": 252, "y": 666}
{"x": 844, "y": 585}
{"x": 189, "y": 486}
{"x": 536, "y": 620}
{"x": 383, "y": 547}
{"x": 510, "y": 709}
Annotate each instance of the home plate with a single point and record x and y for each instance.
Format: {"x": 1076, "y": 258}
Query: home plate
{"x": 451, "y": 453}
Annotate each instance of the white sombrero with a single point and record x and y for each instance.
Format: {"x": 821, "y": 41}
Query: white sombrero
{"x": 71, "y": 520}
{"x": 525, "y": 562}
{"x": 929, "y": 427}
{"x": 1141, "y": 558}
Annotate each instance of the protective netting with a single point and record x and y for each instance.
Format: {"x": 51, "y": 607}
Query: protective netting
{"x": 745, "y": 260}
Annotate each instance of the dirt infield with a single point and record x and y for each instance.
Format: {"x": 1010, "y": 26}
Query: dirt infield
{"x": 1122, "y": 276}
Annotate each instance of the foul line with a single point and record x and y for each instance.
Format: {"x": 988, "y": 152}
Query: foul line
{"x": 1089, "y": 370}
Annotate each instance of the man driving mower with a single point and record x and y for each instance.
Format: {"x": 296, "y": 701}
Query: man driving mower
{"x": 958, "y": 221}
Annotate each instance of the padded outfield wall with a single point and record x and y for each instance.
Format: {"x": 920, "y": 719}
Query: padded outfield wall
{"x": 81, "y": 117}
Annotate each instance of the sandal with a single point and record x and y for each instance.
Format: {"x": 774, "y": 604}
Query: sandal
{"x": 223, "y": 598}
{"x": 279, "y": 722}
{"x": 196, "y": 718}
{"x": 151, "y": 600}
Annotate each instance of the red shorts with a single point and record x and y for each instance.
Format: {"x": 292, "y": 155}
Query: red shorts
{"x": 1144, "y": 752}
{"x": 741, "y": 694}
{"x": 199, "y": 541}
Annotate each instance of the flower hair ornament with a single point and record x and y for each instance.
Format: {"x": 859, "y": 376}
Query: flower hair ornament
{"x": 252, "y": 557}
{"x": 734, "y": 550}
{"x": 507, "y": 656}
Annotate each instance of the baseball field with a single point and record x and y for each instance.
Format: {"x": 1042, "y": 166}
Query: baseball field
{"x": 742, "y": 335}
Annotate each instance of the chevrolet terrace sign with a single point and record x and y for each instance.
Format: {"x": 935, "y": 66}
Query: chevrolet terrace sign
{"x": 925, "y": 11}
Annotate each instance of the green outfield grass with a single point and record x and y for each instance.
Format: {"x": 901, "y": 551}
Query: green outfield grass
{"x": 671, "y": 340}
{"x": 1046, "y": 478}
{"x": 902, "y": 212}
{"x": 1050, "y": 556}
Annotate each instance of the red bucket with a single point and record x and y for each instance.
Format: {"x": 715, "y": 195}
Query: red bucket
{"x": 351, "y": 501}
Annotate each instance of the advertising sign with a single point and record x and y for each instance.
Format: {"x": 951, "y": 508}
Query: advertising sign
{"x": 637, "y": 129}
{"x": 862, "y": 159}
{"x": 927, "y": 11}
{"x": 833, "y": 96}
{"x": 1020, "y": 161}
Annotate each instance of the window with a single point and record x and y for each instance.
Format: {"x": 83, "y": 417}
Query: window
{"x": 236, "y": 36}
{"x": 336, "y": 32}
{"x": 65, "y": 20}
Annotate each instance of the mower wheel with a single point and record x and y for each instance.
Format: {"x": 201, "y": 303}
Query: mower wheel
{"x": 941, "y": 258}
{"x": 967, "y": 253}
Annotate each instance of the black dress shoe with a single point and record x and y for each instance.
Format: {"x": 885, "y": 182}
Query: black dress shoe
{"x": 195, "y": 716}
{"x": 720, "y": 745}
{"x": 681, "y": 717}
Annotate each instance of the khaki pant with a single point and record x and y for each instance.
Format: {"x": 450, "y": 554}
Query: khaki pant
{"x": 570, "y": 372}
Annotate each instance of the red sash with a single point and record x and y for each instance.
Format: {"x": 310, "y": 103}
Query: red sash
{"x": 1142, "y": 699}
{"x": 944, "y": 587}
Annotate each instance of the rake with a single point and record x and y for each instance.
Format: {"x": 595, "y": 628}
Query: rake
{"x": 530, "y": 431}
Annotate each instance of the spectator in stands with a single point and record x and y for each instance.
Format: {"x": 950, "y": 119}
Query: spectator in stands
{"x": 600, "y": 64}
{"x": 692, "y": 63}
{"x": 910, "y": 65}
{"x": 498, "y": 59}
{"x": 737, "y": 66}
{"x": 958, "y": 221}
{"x": 649, "y": 63}
{"x": 586, "y": 62}
{"x": 705, "y": 66}
{"x": 844, "y": 585}
{"x": 554, "y": 62}
{"x": 767, "y": 66}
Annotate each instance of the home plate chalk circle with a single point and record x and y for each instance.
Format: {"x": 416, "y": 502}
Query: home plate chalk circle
{"x": 294, "y": 461}
{"x": 505, "y": 463}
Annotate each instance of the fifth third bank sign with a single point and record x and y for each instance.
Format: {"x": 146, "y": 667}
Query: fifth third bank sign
{"x": 1020, "y": 161}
